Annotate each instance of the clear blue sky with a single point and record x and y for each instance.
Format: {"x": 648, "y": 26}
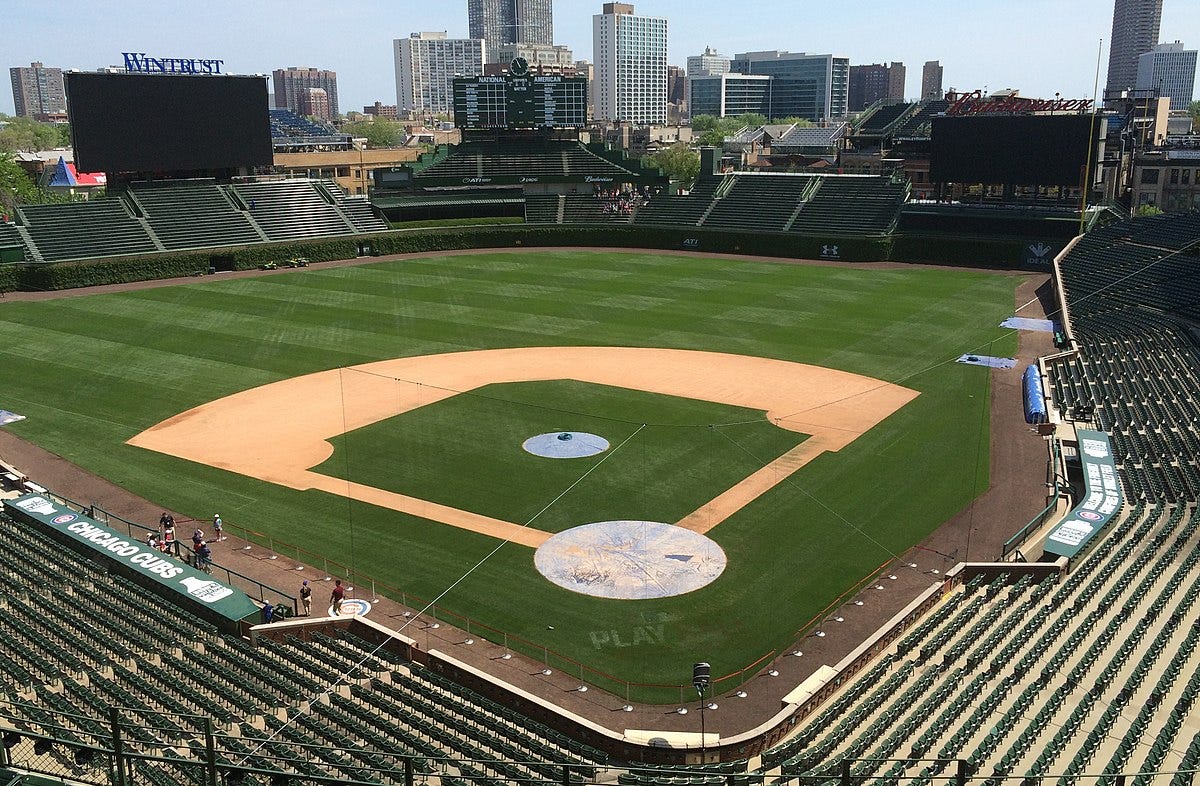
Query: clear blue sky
{"x": 1037, "y": 46}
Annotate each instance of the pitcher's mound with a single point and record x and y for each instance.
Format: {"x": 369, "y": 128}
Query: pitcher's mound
{"x": 630, "y": 560}
{"x": 565, "y": 444}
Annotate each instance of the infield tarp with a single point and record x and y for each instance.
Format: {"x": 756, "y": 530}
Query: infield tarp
{"x": 193, "y": 588}
{"x": 1102, "y": 497}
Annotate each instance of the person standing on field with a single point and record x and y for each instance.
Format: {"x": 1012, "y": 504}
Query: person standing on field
{"x": 217, "y": 533}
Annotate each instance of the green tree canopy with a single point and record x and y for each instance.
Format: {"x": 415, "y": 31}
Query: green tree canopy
{"x": 678, "y": 162}
{"x": 380, "y": 132}
{"x": 1195, "y": 112}
{"x": 711, "y": 130}
{"x": 27, "y": 134}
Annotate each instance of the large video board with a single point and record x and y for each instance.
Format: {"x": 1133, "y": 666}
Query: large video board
{"x": 168, "y": 122}
{"x": 1048, "y": 150}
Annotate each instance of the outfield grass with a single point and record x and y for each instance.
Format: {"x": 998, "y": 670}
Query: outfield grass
{"x": 667, "y": 456}
{"x": 90, "y": 372}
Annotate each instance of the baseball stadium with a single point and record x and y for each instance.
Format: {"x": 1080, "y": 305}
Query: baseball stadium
{"x": 790, "y": 478}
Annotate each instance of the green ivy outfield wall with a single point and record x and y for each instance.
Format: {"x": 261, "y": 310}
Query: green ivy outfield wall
{"x": 1011, "y": 253}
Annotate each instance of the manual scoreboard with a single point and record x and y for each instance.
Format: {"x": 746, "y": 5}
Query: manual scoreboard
{"x": 520, "y": 100}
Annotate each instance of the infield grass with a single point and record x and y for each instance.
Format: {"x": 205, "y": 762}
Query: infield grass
{"x": 90, "y": 372}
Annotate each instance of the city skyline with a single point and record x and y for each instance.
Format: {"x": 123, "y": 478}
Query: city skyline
{"x": 1038, "y": 47}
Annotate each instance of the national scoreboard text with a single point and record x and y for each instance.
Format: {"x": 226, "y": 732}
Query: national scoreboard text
{"x": 511, "y": 101}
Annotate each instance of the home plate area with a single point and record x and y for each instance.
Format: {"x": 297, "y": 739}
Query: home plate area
{"x": 630, "y": 560}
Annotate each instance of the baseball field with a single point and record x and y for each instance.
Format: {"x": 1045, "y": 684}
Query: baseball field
{"x": 805, "y": 421}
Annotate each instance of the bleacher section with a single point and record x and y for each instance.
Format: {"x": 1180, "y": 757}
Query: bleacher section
{"x": 919, "y": 124}
{"x": 357, "y": 209}
{"x": 90, "y": 642}
{"x": 756, "y": 202}
{"x": 679, "y": 210}
{"x": 882, "y": 119}
{"x": 852, "y": 205}
{"x": 542, "y": 208}
{"x": 534, "y": 160}
{"x": 78, "y": 230}
{"x": 1096, "y": 674}
{"x": 291, "y": 209}
{"x": 588, "y": 209}
{"x": 12, "y": 247}
{"x": 193, "y": 215}
{"x": 1133, "y": 291}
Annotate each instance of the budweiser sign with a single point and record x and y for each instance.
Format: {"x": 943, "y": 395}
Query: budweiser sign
{"x": 977, "y": 103}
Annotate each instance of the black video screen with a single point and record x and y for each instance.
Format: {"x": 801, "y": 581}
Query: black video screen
{"x": 1047, "y": 150}
{"x": 163, "y": 123}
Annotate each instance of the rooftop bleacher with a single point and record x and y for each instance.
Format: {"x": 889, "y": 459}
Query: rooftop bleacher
{"x": 79, "y": 230}
{"x": 193, "y": 215}
{"x": 882, "y": 118}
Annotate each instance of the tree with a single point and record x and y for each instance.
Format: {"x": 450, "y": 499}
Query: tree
{"x": 27, "y": 134}
{"x": 379, "y": 132}
{"x": 1148, "y": 210}
{"x": 678, "y": 162}
{"x": 15, "y": 186}
{"x": 1195, "y": 112}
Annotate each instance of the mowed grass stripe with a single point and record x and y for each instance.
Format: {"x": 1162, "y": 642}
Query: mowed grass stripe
{"x": 791, "y": 551}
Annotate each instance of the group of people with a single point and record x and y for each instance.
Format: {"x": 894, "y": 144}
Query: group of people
{"x": 164, "y": 539}
{"x": 617, "y": 201}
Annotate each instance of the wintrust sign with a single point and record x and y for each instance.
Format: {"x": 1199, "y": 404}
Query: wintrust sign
{"x": 140, "y": 62}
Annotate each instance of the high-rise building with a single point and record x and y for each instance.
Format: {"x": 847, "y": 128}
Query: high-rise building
{"x": 630, "y": 54}
{"x": 730, "y": 94}
{"x": 677, "y": 95}
{"x": 539, "y": 57}
{"x": 426, "y": 64}
{"x": 313, "y": 102}
{"x": 814, "y": 87}
{"x": 291, "y": 83}
{"x": 38, "y": 91}
{"x": 708, "y": 64}
{"x": 1134, "y": 32}
{"x": 931, "y": 80}
{"x": 875, "y": 82}
{"x": 510, "y": 22}
{"x": 1170, "y": 71}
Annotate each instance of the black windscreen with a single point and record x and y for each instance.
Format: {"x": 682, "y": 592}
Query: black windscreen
{"x": 1049, "y": 150}
{"x": 162, "y": 123}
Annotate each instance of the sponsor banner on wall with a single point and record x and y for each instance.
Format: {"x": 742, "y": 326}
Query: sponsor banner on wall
{"x": 40, "y": 511}
{"x": 1101, "y": 501}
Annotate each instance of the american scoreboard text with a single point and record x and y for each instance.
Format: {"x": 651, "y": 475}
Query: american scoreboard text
{"x": 510, "y": 101}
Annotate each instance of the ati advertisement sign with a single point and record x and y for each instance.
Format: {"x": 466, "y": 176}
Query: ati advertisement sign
{"x": 40, "y": 511}
{"x": 1101, "y": 501}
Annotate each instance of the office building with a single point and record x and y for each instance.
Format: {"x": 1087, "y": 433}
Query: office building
{"x": 931, "y": 80}
{"x": 708, "y": 64}
{"x": 876, "y": 82}
{"x": 1134, "y": 32}
{"x": 730, "y": 94}
{"x": 426, "y": 64}
{"x": 1170, "y": 71}
{"x": 38, "y": 91}
{"x": 500, "y": 22}
{"x": 381, "y": 110}
{"x": 813, "y": 87}
{"x": 630, "y": 56}
{"x": 546, "y": 58}
{"x": 292, "y": 83}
